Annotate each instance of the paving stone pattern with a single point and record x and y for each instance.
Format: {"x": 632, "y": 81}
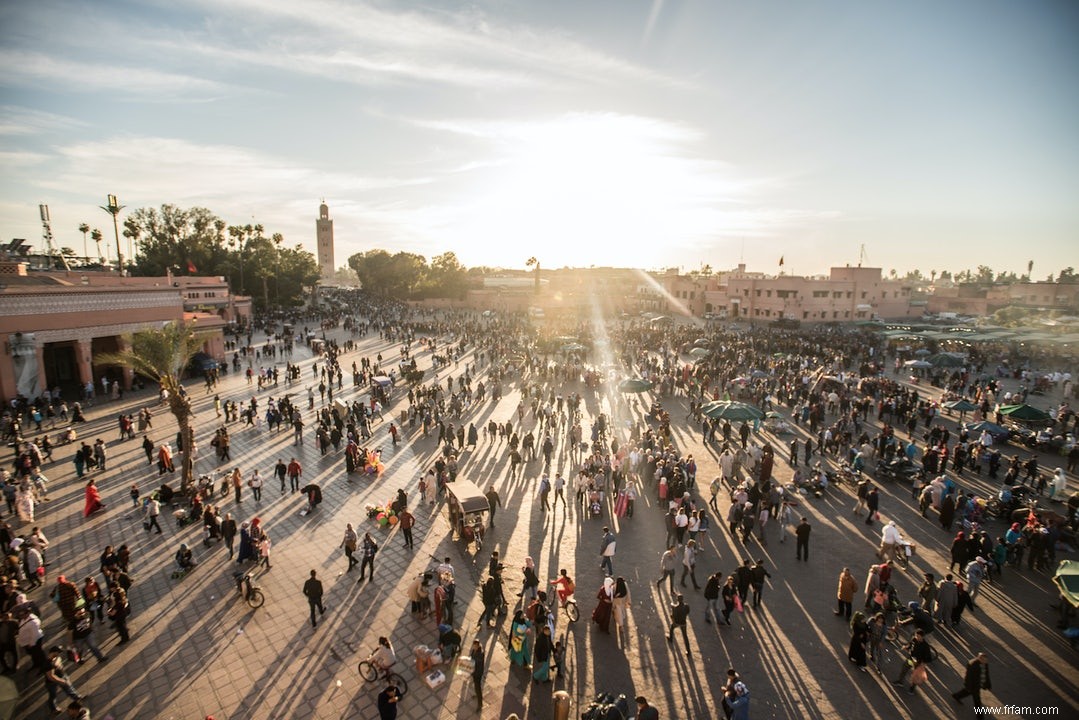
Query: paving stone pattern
{"x": 197, "y": 649}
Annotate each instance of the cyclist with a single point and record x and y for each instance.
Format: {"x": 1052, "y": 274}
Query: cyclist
{"x": 384, "y": 656}
{"x": 565, "y": 586}
{"x": 919, "y": 618}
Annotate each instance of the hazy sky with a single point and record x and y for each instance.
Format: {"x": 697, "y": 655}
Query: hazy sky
{"x": 941, "y": 134}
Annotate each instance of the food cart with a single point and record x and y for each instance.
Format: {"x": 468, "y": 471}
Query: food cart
{"x": 467, "y": 506}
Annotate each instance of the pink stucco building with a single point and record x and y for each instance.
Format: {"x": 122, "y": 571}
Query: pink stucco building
{"x": 54, "y": 324}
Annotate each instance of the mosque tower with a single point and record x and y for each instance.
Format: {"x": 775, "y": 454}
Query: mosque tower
{"x": 324, "y": 233}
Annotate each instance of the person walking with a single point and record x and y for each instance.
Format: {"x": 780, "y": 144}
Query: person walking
{"x": 756, "y": 581}
{"x": 312, "y": 589}
{"x": 56, "y": 679}
{"x": 679, "y": 618}
{"x": 872, "y": 503}
{"x": 668, "y": 562}
{"x": 237, "y": 484}
{"x": 975, "y": 575}
{"x": 620, "y": 603}
{"x": 406, "y": 521}
{"x": 153, "y": 509}
{"x": 845, "y": 594}
{"x": 370, "y": 547}
{"x": 711, "y": 597}
{"x": 493, "y": 501}
{"x": 544, "y": 493}
{"x": 975, "y": 680}
{"x": 606, "y": 551}
{"x": 560, "y": 492}
{"x": 689, "y": 564}
{"x": 349, "y": 543}
{"x": 801, "y": 535}
{"x": 478, "y": 660}
{"x": 280, "y": 470}
{"x": 228, "y": 532}
{"x": 918, "y": 654}
{"x": 255, "y": 483}
{"x": 729, "y": 593}
{"x": 295, "y": 470}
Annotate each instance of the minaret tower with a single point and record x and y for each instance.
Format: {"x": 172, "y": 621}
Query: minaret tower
{"x": 324, "y": 232}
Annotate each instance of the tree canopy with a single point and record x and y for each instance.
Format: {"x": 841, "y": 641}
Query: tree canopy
{"x": 406, "y": 275}
{"x": 194, "y": 241}
{"x": 162, "y": 355}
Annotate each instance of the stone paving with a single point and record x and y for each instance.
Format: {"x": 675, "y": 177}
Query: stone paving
{"x": 197, "y": 649}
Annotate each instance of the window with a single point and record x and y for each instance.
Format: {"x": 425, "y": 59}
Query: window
{"x": 805, "y": 314}
{"x": 820, "y": 293}
{"x": 849, "y": 294}
{"x": 769, "y": 293}
{"x": 758, "y": 293}
{"x": 863, "y": 294}
{"x": 837, "y": 295}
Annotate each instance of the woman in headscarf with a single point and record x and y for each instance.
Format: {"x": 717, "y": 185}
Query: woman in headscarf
{"x": 520, "y": 647}
{"x": 620, "y": 605}
{"x": 602, "y": 614}
{"x": 93, "y": 499}
{"x": 959, "y": 551}
{"x": 1060, "y": 485}
{"x": 859, "y": 638}
{"x": 66, "y": 595}
{"x": 24, "y": 501}
{"x": 247, "y": 547}
{"x": 541, "y": 656}
{"x": 531, "y": 580}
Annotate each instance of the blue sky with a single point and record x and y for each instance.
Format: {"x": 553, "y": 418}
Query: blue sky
{"x": 941, "y": 135}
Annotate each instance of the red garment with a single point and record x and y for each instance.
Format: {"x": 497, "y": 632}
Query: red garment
{"x": 93, "y": 501}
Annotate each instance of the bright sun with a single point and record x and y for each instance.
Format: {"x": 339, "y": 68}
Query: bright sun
{"x": 594, "y": 189}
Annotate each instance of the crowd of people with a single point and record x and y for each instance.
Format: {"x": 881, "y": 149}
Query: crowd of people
{"x": 834, "y": 386}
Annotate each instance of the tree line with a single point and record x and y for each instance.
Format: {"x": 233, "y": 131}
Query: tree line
{"x": 195, "y": 241}
{"x": 408, "y": 276}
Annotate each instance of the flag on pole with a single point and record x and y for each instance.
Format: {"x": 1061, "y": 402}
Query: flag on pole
{"x": 781, "y": 261}
{"x": 191, "y": 267}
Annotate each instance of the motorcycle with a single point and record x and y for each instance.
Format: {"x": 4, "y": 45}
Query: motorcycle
{"x": 250, "y": 592}
{"x": 902, "y": 470}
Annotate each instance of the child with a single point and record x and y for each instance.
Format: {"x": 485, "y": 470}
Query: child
{"x": 558, "y": 656}
{"x": 264, "y": 551}
{"x": 134, "y": 493}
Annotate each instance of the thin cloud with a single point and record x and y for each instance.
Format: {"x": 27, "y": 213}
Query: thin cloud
{"x": 16, "y": 120}
{"x": 360, "y": 43}
{"x": 28, "y": 68}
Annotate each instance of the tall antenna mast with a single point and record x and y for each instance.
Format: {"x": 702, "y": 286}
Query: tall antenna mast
{"x": 46, "y": 234}
{"x": 862, "y": 257}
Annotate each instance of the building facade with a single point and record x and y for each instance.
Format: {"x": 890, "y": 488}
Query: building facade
{"x": 848, "y": 294}
{"x": 324, "y": 237}
{"x": 54, "y": 325}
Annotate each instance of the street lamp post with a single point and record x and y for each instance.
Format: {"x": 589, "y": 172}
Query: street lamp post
{"x": 113, "y": 208}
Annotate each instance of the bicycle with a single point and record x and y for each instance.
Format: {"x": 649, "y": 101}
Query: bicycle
{"x": 371, "y": 672}
{"x": 250, "y": 592}
{"x": 568, "y": 606}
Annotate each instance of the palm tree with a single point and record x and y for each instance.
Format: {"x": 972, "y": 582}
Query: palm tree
{"x": 96, "y": 236}
{"x": 84, "y": 228}
{"x": 278, "y": 241}
{"x": 162, "y": 355}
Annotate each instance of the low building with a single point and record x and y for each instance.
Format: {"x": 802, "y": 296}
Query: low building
{"x": 979, "y": 300}
{"x": 54, "y": 324}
